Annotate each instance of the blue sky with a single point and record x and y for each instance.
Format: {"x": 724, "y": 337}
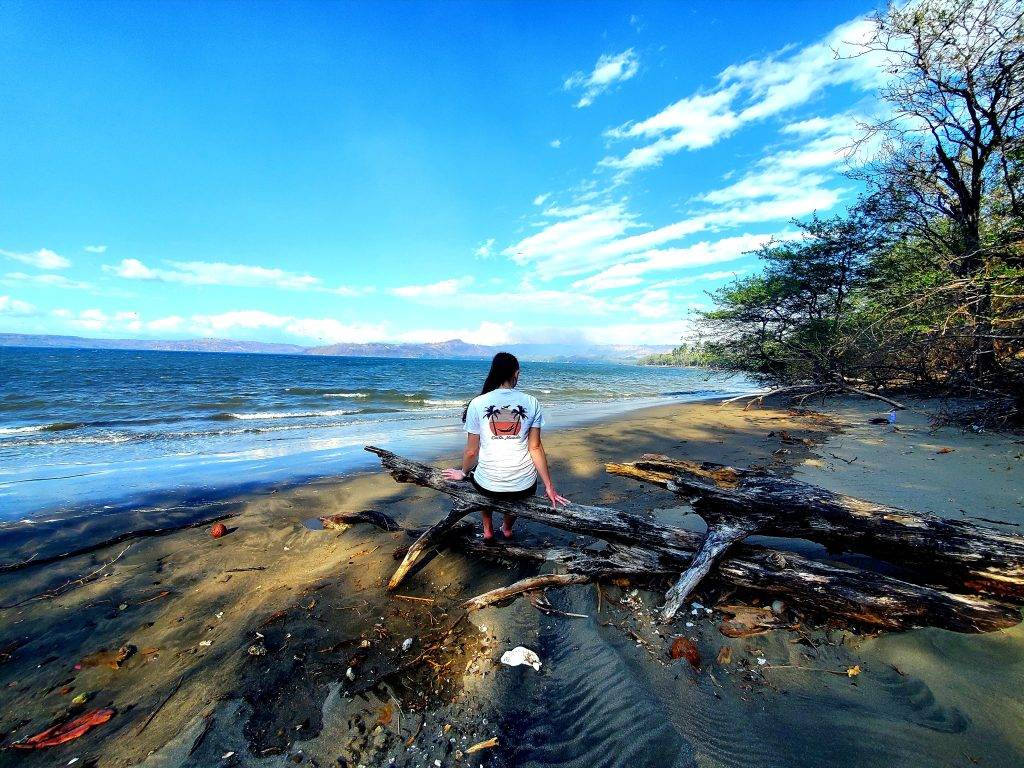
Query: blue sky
{"x": 328, "y": 172}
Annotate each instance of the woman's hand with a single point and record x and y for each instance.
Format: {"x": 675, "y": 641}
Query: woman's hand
{"x": 454, "y": 475}
{"x": 556, "y": 499}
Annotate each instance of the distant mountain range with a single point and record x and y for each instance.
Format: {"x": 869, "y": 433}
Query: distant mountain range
{"x": 453, "y": 349}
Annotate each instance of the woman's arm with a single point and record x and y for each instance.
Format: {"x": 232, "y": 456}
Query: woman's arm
{"x": 540, "y": 461}
{"x": 469, "y": 458}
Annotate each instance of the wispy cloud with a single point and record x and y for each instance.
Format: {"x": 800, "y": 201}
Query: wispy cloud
{"x": 45, "y": 280}
{"x": 605, "y": 239}
{"x": 555, "y": 143}
{"x": 243, "y": 323}
{"x": 632, "y": 334}
{"x": 323, "y": 329}
{"x": 485, "y": 249}
{"x": 15, "y": 307}
{"x": 692, "y": 123}
{"x": 488, "y": 333}
{"x": 97, "y": 320}
{"x": 703, "y": 253}
{"x": 224, "y": 274}
{"x": 796, "y": 177}
{"x": 567, "y": 245}
{"x": 214, "y": 273}
{"x": 751, "y": 91}
{"x": 95, "y": 249}
{"x": 609, "y": 70}
{"x": 703, "y": 277}
{"x": 441, "y": 288}
{"x": 44, "y": 258}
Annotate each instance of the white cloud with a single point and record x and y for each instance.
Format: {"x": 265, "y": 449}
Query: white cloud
{"x": 243, "y": 319}
{"x": 704, "y": 277}
{"x": 325, "y": 330}
{"x": 131, "y": 269}
{"x": 225, "y": 325}
{"x": 485, "y": 249}
{"x": 753, "y": 90}
{"x": 95, "y": 249}
{"x": 566, "y": 246}
{"x": 223, "y": 274}
{"x": 165, "y": 324}
{"x": 488, "y": 333}
{"x": 44, "y": 258}
{"x": 791, "y": 182}
{"x": 793, "y": 175}
{"x": 555, "y": 143}
{"x": 610, "y": 69}
{"x": 45, "y": 280}
{"x": 330, "y": 331}
{"x": 699, "y": 254}
{"x": 692, "y": 123}
{"x": 541, "y": 199}
{"x": 128, "y": 320}
{"x": 11, "y": 306}
{"x": 652, "y": 303}
{"x": 88, "y": 319}
{"x": 668, "y": 332}
{"x": 441, "y": 288}
{"x": 591, "y": 239}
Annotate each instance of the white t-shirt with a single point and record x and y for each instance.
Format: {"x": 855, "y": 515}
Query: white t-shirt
{"x": 503, "y": 419}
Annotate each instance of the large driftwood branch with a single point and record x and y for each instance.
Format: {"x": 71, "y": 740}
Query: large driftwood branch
{"x": 864, "y": 597}
{"x": 860, "y": 596}
{"x": 955, "y": 553}
{"x": 805, "y": 391}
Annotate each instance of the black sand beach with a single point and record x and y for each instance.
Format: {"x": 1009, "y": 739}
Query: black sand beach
{"x": 238, "y": 650}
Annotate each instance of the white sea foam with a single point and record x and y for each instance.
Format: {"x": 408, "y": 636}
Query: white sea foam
{"x": 101, "y": 439}
{"x": 346, "y": 394}
{"x": 7, "y": 431}
{"x": 264, "y": 415}
{"x": 443, "y": 403}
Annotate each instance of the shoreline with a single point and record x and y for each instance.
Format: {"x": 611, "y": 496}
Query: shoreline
{"x": 192, "y": 606}
{"x": 175, "y": 431}
{"x": 348, "y": 462}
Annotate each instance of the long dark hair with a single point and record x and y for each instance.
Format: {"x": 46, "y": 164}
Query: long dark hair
{"x": 503, "y": 368}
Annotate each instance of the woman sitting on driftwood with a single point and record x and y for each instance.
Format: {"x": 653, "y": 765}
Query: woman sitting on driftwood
{"x": 504, "y": 455}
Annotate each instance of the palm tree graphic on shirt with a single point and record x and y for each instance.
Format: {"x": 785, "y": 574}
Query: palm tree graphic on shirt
{"x": 505, "y": 421}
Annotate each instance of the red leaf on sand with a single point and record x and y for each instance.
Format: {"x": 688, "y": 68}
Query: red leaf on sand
{"x": 683, "y": 648}
{"x": 69, "y": 731}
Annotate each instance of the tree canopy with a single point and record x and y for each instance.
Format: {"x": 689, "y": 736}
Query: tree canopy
{"x": 921, "y": 283}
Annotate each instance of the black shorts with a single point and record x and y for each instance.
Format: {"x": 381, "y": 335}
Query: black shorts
{"x": 526, "y": 493}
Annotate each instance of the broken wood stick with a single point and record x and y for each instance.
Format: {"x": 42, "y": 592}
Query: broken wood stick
{"x": 955, "y": 553}
{"x": 532, "y": 584}
{"x": 426, "y": 540}
{"x": 716, "y": 542}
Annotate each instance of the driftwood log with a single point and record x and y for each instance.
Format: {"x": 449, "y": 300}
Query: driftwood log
{"x": 643, "y": 546}
{"x": 736, "y": 503}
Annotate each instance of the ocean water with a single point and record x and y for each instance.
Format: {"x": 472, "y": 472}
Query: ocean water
{"x": 83, "y": 429}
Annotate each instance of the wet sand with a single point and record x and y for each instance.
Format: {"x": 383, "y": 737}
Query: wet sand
{"x": 242, "y": 644}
